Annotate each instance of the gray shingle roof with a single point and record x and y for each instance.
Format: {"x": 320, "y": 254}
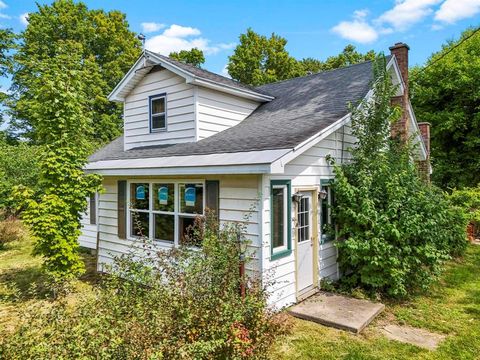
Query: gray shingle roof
{"x": 208, "y": 75}
{"x": 302, "y": 107}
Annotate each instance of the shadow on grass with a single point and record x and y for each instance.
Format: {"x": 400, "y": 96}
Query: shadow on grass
{"x": 30, "y": 282}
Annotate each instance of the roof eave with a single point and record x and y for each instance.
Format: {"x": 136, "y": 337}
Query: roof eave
{"x": 146, "y": 55}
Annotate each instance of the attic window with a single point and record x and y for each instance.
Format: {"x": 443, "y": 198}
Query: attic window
{"x": 158, "y": 113}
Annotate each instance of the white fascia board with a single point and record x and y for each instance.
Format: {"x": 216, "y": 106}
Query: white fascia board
{"x": 199, "y": 170}
{"x": 393, "y": 63}
{"x": 417, "y": 133}
{"x": 253, "y": 162}
{"x": 193, "y": 79}
{"x": 113, "y": 96}
{"x": 278, "y": 166}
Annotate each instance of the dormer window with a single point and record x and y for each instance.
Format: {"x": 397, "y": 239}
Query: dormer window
{"x": 158, "y": 113}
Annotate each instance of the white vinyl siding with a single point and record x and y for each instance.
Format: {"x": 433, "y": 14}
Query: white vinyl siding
{"x": 305, "y": 171}
{"x": 180, "y": 110}
{"x": 88, "y": 235}
{"x": 218, "y": 111}
{"x": 238, "y": 203}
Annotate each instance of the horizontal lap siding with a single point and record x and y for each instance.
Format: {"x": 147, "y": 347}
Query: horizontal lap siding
{"x": 180, "y": 111}
{"x": 88, "y": 235}
{"x": 304, "y": 171}
{"x": 217, "y": 111}
{"x": 238, "y": 203}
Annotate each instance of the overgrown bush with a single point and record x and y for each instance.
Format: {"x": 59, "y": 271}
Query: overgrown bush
{"x": 19, "y": 165}
{"x": 469, "y": 200}
{"x": 182, "y": 303}
{"x": 398, "y": 230}
{"x": 11, "y": 229}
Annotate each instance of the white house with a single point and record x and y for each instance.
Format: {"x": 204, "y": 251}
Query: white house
{"x": 194, "y": 139}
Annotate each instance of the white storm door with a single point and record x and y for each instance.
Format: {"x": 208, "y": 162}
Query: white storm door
{"x": 305, "y": 243}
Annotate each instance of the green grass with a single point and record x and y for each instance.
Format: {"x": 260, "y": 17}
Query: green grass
{"x": 452, "y": 308}
{"x": 22, "y": 282}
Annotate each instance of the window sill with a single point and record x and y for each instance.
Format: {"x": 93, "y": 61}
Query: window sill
{"x": 280, "y": 254}
{"x": 158, "y": 130}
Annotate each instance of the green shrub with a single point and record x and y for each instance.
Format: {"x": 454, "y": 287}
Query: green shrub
{"x": 19, "y": 165}
{"x": 398, "y": 230}
{"x": 181, "y": 303}
{"x": 469, "y": 200}
{"x": 11, "y": 229}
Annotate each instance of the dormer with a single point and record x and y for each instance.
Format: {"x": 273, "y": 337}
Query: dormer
{"x": 169, "y": 102}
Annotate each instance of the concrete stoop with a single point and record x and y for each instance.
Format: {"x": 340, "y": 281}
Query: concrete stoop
{"x": 418, "y": 337}
{"x": 337, "y": 311}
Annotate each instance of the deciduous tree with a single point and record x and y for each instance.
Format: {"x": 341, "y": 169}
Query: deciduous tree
{"x": 193, "y": 57}
{"x": 103, "y": 38}
{"x": 446, "y": 93}
{"x": 64, "y": 119}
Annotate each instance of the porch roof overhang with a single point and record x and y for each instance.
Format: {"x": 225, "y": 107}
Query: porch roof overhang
{"x": 252, "y": 162}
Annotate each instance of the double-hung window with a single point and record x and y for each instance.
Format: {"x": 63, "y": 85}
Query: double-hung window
{"x": 158, "y": 112}
{"x": 280, "y": 218}
{"x": 165, "y": 211}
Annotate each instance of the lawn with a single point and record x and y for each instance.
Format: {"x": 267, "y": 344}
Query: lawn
{"x": 452, "y": 307}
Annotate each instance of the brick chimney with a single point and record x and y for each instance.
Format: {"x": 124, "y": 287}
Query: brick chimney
{"x": 424, "y": 165}
{"x": 400, "y": 51}
{"x": 400, "y": 128}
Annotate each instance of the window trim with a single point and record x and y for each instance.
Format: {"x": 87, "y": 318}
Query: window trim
{"x": 285, "y": 250}
{"x": 326, "y": 184}
{"x": 150, "y": 115}
{"x": 176, "y": 213}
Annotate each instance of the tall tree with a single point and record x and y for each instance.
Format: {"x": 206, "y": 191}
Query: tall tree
{"x": 446, "y": 93}
{"x": 259, "y": 60}
{"x": 193, "y": 57}
{"x": 7, "y": 43}
{"x": 103, "y": 37}
{"x": 63, "y": 115}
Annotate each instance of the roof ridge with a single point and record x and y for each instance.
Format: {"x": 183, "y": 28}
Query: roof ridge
{"x": 317, "y": 73}
{"x": 194, "y": 68}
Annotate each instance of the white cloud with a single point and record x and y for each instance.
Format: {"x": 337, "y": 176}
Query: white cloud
{"x": 403, "y": 15}
{"x": 179, "y": 31}
{"x": 356, "y": 30}
{"x": 406, "y": 13}
{"x": 24, "y": 19}
{"x": 453, "y": 10}
{"x": 3, "y": 5}
{"x": 177, "y": 37}
{"x": 148, "y": 27}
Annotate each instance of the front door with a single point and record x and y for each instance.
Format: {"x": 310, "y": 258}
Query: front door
{"x": 304, "y": 236}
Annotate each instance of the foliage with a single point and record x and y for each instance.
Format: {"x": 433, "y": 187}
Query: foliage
{"x": 63, "y": 117}
{"x": 181, "y": 303}
{"x": 7, "y": 43}
{"x": 102, "y": 38}
{"x": 469, "y": 200}
{"x": 19, "y": 165}
{"x": 260, "y": 60}
{"x": 11, "y": 229}
{"x": 445, "y": 92}
{"x": 349, "y": 56}
{"x": 192, "y": 57}
{"x": 398, "y": 230}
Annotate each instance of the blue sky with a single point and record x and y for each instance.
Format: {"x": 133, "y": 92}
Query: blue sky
{"x": 313, "y": 28}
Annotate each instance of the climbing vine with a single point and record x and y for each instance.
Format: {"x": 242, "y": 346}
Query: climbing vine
{"x": 397, "y": 229}
{"x": 63, "y": 115}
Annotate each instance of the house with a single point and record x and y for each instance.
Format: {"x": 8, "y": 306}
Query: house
{"x": 193, "y": 139}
